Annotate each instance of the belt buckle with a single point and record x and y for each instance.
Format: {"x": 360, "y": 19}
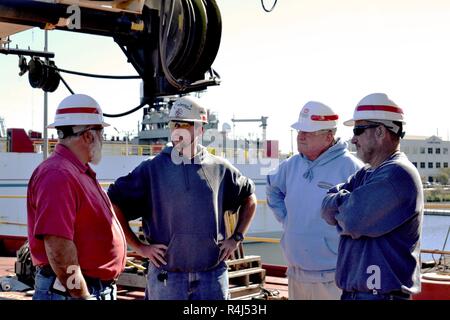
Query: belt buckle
{"x": 98, "y": 282}
{"x": 46, "y": 270}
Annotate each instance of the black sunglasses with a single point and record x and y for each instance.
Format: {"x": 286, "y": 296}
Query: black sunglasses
{"x": 358, "y": 130}
{"x": 180, "y": 124}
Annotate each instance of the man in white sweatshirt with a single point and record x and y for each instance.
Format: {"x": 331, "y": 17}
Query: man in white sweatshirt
{"x": 295, "y": 191}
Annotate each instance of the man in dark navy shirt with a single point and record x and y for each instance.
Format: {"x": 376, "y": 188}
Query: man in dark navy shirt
{"x": 181, "y": 196}
{"x": 379, "y": 211}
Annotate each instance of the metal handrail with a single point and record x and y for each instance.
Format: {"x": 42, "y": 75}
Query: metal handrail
{"x": 434, "y": 251}
{"x": 262, "y": 239}
{"x": 11, "y": 197}
{"x": 13, "y": 223}
{"x": 260, "y": 202}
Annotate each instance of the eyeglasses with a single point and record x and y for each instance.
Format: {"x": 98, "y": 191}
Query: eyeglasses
{"x": 313, "y": 133}
{"x": 97, "y": 129}
{"x": 358, "y": 130}
{"x": 180, "y": 125}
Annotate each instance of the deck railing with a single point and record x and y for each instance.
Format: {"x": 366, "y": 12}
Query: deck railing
{"x": 120, "y": 148}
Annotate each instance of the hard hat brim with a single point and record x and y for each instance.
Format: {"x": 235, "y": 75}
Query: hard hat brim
{"x": 295, "y": 126}
{"x": 312, "y": 127}
{"x": 61, "y": 124}
{"x": 187, "y": 120}
{"x": 349, "y": 123}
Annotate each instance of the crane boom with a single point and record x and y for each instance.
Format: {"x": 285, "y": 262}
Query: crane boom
{"x": 171, "y": 44}
{"x": 263, "y": 121}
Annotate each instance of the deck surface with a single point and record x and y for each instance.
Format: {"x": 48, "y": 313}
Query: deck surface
{"x": 275, "y": 285}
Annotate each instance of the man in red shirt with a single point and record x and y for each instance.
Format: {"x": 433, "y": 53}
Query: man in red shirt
{"x": 76, "y": 241}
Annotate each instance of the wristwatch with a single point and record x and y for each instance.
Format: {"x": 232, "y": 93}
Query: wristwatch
{"x": 237, "y": 236}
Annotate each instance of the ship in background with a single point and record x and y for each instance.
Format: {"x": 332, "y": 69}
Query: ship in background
{"x": 171, "y": 45}
{"x": 188, "y": 58}
{"x": 21, "y": 153}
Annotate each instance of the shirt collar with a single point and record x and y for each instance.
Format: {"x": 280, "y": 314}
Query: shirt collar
{"x": 66, "y": 153}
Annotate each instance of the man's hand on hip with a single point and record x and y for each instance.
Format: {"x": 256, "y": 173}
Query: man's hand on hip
{"x": 155, "y": 252}
{"x": 226, "y": 248}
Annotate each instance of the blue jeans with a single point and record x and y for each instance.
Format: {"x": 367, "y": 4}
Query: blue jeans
{"x": 204, "y": 285}
{"x": 43, "y": 283}
{"x": 356, "y": 295}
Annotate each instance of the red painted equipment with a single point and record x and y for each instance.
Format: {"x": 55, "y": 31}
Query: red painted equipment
{"x": 18, "y": 141}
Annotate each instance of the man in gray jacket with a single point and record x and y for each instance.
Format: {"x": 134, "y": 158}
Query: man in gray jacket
{"x": 181, "y": 196}
{"x": 295, "y": 192}
{"x": 379, "y": 211}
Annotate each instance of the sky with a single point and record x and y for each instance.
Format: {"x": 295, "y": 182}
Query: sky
{"x": 271, "y": 64}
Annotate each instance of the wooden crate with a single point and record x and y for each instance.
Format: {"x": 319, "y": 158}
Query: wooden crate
{"x": 244, "y": 263}
{"x": 244, "y": 292}
{"x": 246, "y": 277}
{"x": 132, "y": 280}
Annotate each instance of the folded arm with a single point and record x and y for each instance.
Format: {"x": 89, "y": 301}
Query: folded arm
{"x": 374, "y": 208}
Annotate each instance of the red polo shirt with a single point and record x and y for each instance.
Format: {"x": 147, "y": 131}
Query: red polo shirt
{"x": 65, "y": 200}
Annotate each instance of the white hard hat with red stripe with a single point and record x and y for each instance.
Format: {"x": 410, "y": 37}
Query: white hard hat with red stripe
{"x": 78, "y": 109}
{"x": 316, "y": 116}
{"x": 188, "y": 108}
{"x": 376, "y": 106}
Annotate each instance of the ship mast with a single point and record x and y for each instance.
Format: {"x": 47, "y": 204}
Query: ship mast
{"x": 2, "y": 128}
{"x": 45, "y": 145}
{"x": 263, "y": 121}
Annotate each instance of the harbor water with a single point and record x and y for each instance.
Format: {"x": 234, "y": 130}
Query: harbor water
{"x": 434, "y": 231}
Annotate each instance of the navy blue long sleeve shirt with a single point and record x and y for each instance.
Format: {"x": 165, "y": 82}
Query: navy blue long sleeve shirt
{"x": 378, "y": 214}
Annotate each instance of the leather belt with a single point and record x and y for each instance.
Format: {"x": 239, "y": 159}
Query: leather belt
{"x": 47, "y": 271}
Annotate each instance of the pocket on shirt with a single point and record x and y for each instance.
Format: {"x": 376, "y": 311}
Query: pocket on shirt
{"x": 192, "y": 252}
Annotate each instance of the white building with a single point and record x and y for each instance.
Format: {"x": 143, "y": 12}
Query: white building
{"x": 429, "y": 154}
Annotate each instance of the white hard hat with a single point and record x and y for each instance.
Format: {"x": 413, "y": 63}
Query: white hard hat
{"x": 78, "y": 109}
{"x": 188, "y": 108}
{"x": 376, "y": 106}
{"x": 316, "y": 116}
